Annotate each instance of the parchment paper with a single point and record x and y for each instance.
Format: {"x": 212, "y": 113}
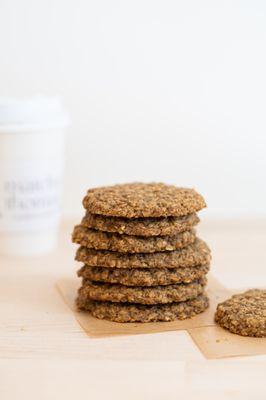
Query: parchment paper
{"x": 100, "y": 328}
{"x": 213, "y": 341}
{"x": 216, "y": 342}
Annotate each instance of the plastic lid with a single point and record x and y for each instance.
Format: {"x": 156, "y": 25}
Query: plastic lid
{"x": 37, "y": 112}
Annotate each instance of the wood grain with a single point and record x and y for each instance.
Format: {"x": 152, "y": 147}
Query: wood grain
{"x": 44, "y": 352}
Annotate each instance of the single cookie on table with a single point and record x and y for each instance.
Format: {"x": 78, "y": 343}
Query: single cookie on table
{"x": 125, "y": 312}
{"x": 137, "y": 200}
{"x": 164, "y": 226}
{"x": 244, "y": 314}
{"x": 141, "y": 294}
{"x": 142, "y": 276}
{"x": 195, "y": 254}
{"x": 99, "y": 240}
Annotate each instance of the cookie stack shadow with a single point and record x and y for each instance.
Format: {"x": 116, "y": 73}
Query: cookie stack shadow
{"x": 142, "y": 260}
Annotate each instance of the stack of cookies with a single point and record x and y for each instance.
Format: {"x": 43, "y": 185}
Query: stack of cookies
{"x": 142, "y": 259}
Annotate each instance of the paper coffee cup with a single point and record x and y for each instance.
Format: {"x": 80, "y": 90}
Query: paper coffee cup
{"x": 31, "y": 172}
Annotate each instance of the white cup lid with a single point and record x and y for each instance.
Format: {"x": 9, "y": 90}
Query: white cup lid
{"x": 34, "y": 112}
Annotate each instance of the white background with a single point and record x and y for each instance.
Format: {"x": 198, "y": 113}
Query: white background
{"x": 169, "y": 91}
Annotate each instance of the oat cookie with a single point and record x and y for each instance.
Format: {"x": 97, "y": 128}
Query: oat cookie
{"x": 244, "y": 314}
{"x": 197, "y": 253}
{"x": 137, "y": 200}
{"x": 126, "y": 312}
{"x": 99, "y": 240}
{"x": 141, "y": 294}
{"x": 164, "y": 226}
{"x": 142, "y": 276}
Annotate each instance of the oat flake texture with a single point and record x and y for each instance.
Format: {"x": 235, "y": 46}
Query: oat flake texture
{"x": 244, "y": 314}
{"x": 195, "y": 254}
{"x": 141, "y": 294}
{"x": 142, "y": 276}
{"x": 99, "y": 240}
{"x": 163, "y": 226}
{"x": 137, "y": 200}
{"x": 126, "y": 312}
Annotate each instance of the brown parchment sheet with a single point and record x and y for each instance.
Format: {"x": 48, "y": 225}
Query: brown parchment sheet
{"x": 216, "y": 342}
{"x": 100, "y": 328}
{"x": 213, "y": 341}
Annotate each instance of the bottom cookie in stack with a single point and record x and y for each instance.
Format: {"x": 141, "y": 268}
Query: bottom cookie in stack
{"x": 132, "y": 312}
{"x": 123, "y": 303}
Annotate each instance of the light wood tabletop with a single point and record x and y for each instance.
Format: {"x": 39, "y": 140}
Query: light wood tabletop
{"x": 44, "y": 353}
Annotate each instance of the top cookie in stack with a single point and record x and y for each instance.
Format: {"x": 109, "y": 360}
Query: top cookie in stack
{"x": 142, "y": 259}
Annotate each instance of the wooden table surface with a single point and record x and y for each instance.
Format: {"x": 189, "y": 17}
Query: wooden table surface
{"x": 45, "y": 354}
